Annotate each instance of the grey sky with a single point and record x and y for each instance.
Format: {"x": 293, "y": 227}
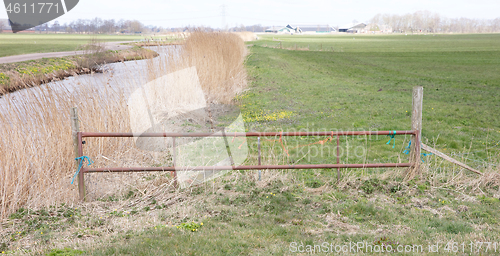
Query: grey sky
{"x": 269, "y": 12}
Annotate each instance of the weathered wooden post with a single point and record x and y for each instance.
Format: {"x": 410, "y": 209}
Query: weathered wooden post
{"x": 174, "y": 160}
{"x": 258, "y": 157}
{"x": 416, "y": 125}
{"x": 338, "y": 159}
{"x": 75, "y": 128}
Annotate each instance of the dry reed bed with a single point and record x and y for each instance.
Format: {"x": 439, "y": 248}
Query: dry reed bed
{"x": 219, "y": 60}
{"x": 37, "y": 155}
{"x": 247, "y": 36}
{"x": 160, "y": 43}
{"x": 36, "y": 152}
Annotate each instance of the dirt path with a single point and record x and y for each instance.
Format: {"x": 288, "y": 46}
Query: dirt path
{"x": 33, "y": 56}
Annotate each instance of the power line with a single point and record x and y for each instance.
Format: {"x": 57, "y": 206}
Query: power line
{"x": 257, "y": 19}
{"x": 142, "y": 13}
{"x": 223, "y": 14}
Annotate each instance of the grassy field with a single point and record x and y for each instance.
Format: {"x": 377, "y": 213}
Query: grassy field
{"x": 15, "y": 44}
{"x": 361, "y": 84}
{"x": 368, "y": 86}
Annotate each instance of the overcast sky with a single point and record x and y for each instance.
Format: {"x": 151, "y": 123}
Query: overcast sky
{"x": 268, "y": 12}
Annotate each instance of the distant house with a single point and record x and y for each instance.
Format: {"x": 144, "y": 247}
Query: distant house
{"x": 273, "y": 29}
{"x": 281, "y": 30}
{"x": 313, "y": 29}
{"x": 353, "y": 28}
{"x": 299, "y": 29}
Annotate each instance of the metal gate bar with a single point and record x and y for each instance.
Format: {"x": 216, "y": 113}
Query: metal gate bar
{"x": 173, "y": 168}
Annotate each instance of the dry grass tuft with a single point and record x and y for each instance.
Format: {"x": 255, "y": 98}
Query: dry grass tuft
{"x": 219, "y": 60}
{"x": 247, "y": 36}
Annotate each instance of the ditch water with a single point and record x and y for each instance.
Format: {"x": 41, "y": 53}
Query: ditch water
{"x": 122, "y": 77}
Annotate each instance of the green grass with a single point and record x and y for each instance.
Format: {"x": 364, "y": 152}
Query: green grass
{"x": 368, "y": 86}
{"x": 385, "y": 43}
{"x": 16, "y": 44}
{"x": 265, "y": 221}
{"x": 242, "y": 217}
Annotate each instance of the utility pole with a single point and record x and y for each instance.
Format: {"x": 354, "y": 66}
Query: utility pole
{"x": 223, "y": 14}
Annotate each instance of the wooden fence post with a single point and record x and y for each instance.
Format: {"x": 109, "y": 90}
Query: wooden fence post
{"x": 416, "y": 125}
{"x": 174, "y": 160}
{"x": 75, "y": 128}
{"x": 258, "y": 157}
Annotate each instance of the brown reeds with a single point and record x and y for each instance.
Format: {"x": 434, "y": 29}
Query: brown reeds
{"x": 218, "y": 58}
{"x": 247, "y": 36}
{"x": 37, "y": 159}
{"x": 36, "y": 153}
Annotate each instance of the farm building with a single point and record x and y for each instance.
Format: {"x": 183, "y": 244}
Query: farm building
{"x": 282, "y": 30}
{"x": 353, "y": 28}
{"x": 313, "y": 29}
{"x": 272, "y": 29}
{"x": 299, "y": 29}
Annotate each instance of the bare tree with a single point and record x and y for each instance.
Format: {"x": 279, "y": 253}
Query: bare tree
{"x": 136, "y": 26}
{"x": 428, "y": 22}
{"x": 109, "y": 26}
{"x": 56, "y": 26}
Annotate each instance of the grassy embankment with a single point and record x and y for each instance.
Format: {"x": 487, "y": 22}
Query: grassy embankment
{"x": 364, "y": 85}
{"x": 19, "y": 75}
{"x": 16, "y": 44}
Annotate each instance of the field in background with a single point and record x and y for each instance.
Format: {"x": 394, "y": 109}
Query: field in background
{"x": 386, "y": 43}
{"x": 366, "y": 84}
{"x": 15, "y": 44}
{"x": 363, "y": 84}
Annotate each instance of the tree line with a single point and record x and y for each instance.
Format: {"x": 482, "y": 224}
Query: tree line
{"x": 103, "y": 26}
{"x": 95, "y": 26}
{"x": 426, "y": 21}
{"x": 420, "y": 21}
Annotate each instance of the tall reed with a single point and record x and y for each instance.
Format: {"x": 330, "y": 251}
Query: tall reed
{"x": 36, "y": 153}
{"x": 219, "y": 60}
